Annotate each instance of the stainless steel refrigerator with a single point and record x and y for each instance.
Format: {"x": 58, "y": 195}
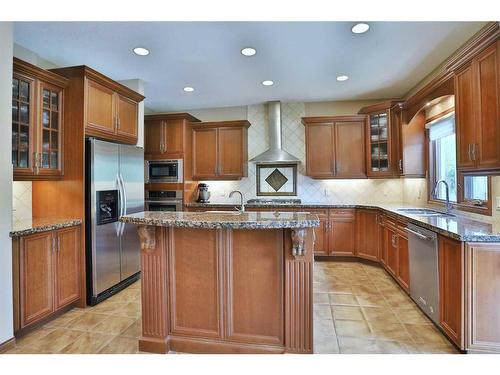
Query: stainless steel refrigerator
{"x": 114, "y": 187}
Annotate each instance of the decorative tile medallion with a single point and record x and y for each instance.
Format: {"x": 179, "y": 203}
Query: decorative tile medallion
{"x": 276, "y": 179}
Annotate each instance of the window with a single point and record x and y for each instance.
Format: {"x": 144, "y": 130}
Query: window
{"x": 476, "y": 190}
{"x": 442, "y": 157}
{"x": 468, "y": 192}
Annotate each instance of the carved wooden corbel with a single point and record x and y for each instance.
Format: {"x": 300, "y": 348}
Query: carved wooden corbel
{"x": 298, "y": 242}
{"x": 147, "y": 236}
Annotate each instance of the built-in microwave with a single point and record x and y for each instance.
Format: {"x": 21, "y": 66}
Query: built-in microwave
{"x": 163, "y": 170}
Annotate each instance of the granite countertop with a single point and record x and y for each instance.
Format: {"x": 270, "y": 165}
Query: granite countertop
{"x": 458, "y": 226}
{"x": 31, "y": 226}
{"x": 232, "y": 220}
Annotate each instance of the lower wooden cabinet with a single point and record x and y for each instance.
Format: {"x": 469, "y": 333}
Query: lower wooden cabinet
{"x": 395, "y": 256}
{"x": 46, "y": 274}
{"x": 451, "y": 288}
{"x": 342, "y": 232}
{"x": 367, "y": 238}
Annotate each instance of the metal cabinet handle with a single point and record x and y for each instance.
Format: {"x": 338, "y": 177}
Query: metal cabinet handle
{"x": 118, "y": 122}
{"x": 469, "y": 151}
{"x": 401, "y": 165}
{"x": 58, "y": 243}
{"x": 53, "y": 244}
{"x": 474, "y": 147}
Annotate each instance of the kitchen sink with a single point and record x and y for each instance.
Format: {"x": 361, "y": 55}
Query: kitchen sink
{"x": 422, "y": 212}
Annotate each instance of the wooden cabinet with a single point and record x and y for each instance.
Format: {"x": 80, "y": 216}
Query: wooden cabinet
{"x": 451, "y": 289}
{"x": 384, "y": 148}
{"x": 37, "y": 122}
{"x": 368, "y": 234}
{"x": 335, "y": 147}
{"x": 321, "y": 233}
{"x": 477, "y": 101}
{"x": 166, "y": 136}
{"x": 395, "y": 256}
{"x": 46, "y": 274}
{"x": 219, "y": 150}
{"x": 342, "y": 227}
{"x": 107, "y": 109}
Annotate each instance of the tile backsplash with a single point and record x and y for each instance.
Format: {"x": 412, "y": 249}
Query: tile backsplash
{"x": 360, "y": 191}
{"x": 21, "y": 200}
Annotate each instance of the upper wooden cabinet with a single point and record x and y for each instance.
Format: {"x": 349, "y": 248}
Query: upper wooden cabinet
{"x": 108, "y": 109}
{"x": 37, "y": 122}
{"x": 477, "y": 115}
{"x": 219, "y": 150}
{"x": 167, "y": 135}
{"x": 383, "y": 146}
{"x": 335, "y": 146}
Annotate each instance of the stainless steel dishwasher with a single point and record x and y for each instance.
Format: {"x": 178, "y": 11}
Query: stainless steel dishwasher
{"x": 424, "y": 269}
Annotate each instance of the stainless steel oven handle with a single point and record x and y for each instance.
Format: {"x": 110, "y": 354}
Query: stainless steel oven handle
{"x": 419, "y": 235}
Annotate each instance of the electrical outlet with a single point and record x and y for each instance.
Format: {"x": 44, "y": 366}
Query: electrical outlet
{"x": 498, "y": 203}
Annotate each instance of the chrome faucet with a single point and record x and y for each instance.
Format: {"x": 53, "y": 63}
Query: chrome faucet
{"x": 242, "y": 205}
{"x": 447, "y": 192}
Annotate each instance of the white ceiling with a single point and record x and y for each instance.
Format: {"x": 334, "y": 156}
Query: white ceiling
{"x": 302, "y": 58}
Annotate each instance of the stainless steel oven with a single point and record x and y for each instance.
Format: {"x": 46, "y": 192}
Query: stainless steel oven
{"x": 164, "y": 200}
{"x": 170, "y": 170}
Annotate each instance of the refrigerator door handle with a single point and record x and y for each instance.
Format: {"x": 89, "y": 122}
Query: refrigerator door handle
{"x": 124, "y": 205}
{"x": 120, "y": 202}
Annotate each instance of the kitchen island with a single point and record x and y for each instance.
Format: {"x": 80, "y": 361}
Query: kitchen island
{"x": 226, "y": 282}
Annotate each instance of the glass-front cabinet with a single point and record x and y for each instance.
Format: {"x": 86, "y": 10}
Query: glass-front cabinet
{"x": 379, "y": 143}
{"x": 37, "y": 122}
{"x": 383, "y": 139}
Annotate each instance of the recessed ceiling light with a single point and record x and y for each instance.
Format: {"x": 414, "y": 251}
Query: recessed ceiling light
{"x": 188, "y": 89}
{"x": 267, "y": 83}
{"x": 428, "y": 104}
{"x": 141, "y": 51}
{"x": 342, "y": 78}
{"x": 360, "y": 28}
{"x": 248, "y": 51}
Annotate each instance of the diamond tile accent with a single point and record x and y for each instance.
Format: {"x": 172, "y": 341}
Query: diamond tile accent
{"x": 276, "y": 179}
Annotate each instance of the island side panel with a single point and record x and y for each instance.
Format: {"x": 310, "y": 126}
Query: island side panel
{"x": 299, "y": 290}
{"x": 154, "y": 289}
{"x": 255, "y": 286}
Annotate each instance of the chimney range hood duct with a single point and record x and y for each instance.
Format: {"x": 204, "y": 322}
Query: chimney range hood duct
{"x": 275, "y": 154}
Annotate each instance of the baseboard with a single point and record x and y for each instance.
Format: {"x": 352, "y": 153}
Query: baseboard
{"x": 8, "y": 345}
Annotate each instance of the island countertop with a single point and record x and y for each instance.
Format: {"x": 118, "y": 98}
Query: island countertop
{"x": 228, "y": 220}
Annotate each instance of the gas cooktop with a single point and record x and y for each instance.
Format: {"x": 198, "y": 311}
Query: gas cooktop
{"x": 265, "y": 201}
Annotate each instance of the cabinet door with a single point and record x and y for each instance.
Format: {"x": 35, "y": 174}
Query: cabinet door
{"x": 403, "y": 260}
{"x": 451, "y": 276}
{"x": 173, "y": 136}
{"x": 67, "y": 266}
{"x": 342, "y": 233}
{"x": 153, "y": 137}
{"x": 321, "y": 233}
{"x": 379, "y": 138}
{"x": 23, "y": 125}
{"x": 36, "y": 277}
{"x": 204, "y": 153}
{"x": 464, "y": 117}
{"x": 487, "y": 98}
{"x": 392, "y": 251}
{"x": 51, "y": 130}
{"x": 231, "y": 151}
{"x": 126, "y": 113}
{"x": 320, "y": 158}
{"x": 367, "y": 228}
{"x": 350, "y": 149}
{"x": 100, "y": 109}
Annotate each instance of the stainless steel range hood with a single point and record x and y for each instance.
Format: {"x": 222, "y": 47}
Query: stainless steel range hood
{"x": 275, "y": 154}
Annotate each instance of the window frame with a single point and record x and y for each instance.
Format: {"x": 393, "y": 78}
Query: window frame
{"x": 461, "y": 203}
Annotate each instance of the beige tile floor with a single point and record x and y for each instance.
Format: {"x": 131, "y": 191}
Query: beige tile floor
{"x": 357, "y": 309}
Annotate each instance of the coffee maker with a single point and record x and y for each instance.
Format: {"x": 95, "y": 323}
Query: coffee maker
{"x": 203, "y": 193}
